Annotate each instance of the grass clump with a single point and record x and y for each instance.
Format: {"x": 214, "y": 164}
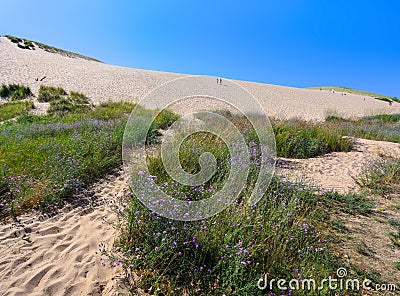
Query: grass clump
{"x": 382, "y": 176}
{"x": 299, "y": 139}
{"x": 14, "y": 39}
{"x": 74, "y": 103}
{"x": 50, "y": 93}
{"x": 13, "y": 109}
{"x": 21, "y": 43}
{"x": 384, "y": 127}
{"x": 15, "y": 92}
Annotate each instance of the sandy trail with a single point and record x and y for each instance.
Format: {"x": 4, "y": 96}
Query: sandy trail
{"x": 43, "y": 255}
{"x": 337, "y": 170}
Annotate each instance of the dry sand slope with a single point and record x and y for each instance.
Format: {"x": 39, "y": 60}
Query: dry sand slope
{"x": 102, "y": 82}
{"x": 57, "y": 255}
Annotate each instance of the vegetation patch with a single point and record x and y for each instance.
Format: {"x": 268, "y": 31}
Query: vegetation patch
{"x": 299, "y": 139}
{"x": 382, "y": 176}
{"x": 15, "y": 92}
{"x": 44, "y": 160}
{"x": 11, "y": 110}
{"x": 74, "y": 103}
{"x": 229, "y": 252}
{"x": 50, "y": 93}
{"x": 357, "y": 92}
{"x": 31, "y": 45}
{"x": 385, "y": 127}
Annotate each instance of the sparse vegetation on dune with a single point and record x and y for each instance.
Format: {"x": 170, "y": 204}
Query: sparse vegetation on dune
{"x": 384, "y": 127}
{"x": 357, "y": 92}
{"x": 382, "y": 176}
{"x": 45, "y": 160}
{"x": 31, "y": 45}
{"x": 227, "y": 253}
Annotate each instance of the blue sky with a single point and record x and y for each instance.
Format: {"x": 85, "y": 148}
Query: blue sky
{"x": 295, "y": 43}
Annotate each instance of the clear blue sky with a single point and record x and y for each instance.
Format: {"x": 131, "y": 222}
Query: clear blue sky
{"x": 296, "y": 43}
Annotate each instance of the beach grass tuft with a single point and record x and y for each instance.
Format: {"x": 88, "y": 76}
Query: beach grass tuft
{"x": 15, "y": 92}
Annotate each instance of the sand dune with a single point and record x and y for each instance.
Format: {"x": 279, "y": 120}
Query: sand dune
{"x": 102, "y": 82}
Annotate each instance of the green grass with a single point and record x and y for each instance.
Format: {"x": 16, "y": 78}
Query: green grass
{"x": 13, "y": 109}
{"x": 397, "y": 265}
{"x": 74, "y": 103}
{"x": 50, "y": 93}
{"x": 385, "y": 127}
{"x": 15, "y": 92}
{"x": 299, "y": 139}
{"x": 44, "y": 160}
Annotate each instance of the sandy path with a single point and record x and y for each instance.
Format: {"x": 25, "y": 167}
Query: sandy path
{"x": 60, "y": 257}
{"x": 337, "y": 170}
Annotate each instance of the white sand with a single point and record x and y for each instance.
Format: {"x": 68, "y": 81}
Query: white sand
{"x": 102, "y": 82}
{"x": 62, "y": 255}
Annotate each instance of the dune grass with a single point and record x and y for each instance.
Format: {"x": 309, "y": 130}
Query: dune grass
{"x": 384, "y": 127}
{"x": 31, "y": 45}
{"x": 74, "y": 103}
{"x": 382, "y": 176}
{"x": 229, "y": 252}
{"x": 50, "y": 93}
{"x": 13, "y": 109}
{"x": 299, "y": 139}
{"x": 45, "y": 159}
{"x": 15, "y": 92}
